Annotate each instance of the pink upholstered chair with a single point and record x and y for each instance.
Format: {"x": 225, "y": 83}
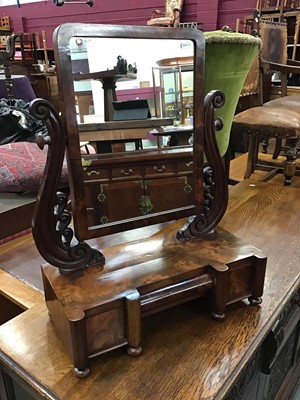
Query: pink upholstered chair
{"x": 171, "y": 17}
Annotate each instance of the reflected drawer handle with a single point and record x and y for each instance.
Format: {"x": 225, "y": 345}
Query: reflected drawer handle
{"x": 163, "y": 168}
{"x": 188, "y": 164}
{"x": 93, "y": 172}
{"x": 126, "y": 172}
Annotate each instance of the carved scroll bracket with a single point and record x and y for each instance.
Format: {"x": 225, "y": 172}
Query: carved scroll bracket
{"x": 214, "y": 174}
{"x": 50, "y": 226}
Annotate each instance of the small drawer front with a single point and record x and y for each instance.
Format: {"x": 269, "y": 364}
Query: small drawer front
{"x": 127, "y": 172}
{"x": 99, "y": 174}
{"x": 186, "y": 166}
{"x": 160, "y": 168}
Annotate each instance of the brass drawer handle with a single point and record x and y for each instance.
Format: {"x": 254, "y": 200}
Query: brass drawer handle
{"x": 188, "y": 164}
{"x": 93, "y": 172}
{"x": 163, "y": 168}
{"x": 129, "y": 172}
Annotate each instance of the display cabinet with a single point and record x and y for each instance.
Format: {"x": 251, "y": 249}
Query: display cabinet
{"x": 173, "y": 81}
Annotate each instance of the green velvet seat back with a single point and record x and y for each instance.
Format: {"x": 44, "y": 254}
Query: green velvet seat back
{"x": 229, "y": 57}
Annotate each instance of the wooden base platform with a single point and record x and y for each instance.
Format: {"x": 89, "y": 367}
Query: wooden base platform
{"x": 252, "y": 355}
{"x": 96, "y": 310}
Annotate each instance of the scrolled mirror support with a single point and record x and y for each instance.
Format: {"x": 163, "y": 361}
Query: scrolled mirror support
{"x": 50, "y": 226}
{"x": 214, "y": 176}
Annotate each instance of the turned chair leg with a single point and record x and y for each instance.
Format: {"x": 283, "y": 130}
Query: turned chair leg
{"x": 290, "y": 163}
{"x": 265, "y": 145}
{"x": 277, "y": 150}
{"x": 252, "y": 155}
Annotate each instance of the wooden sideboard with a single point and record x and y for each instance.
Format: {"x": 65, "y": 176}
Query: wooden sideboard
{"x": 253, "y": 354}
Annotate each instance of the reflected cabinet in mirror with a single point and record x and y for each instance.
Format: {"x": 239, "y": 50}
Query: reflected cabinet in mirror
{"x": 130, "y": 162}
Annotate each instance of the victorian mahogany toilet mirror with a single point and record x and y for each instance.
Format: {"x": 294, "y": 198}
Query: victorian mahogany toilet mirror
{"x": 119, "y": 191}
{"x": 97, "y": 300}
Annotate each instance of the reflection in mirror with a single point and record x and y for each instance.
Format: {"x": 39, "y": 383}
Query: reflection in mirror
{"x": 135, "y": 117}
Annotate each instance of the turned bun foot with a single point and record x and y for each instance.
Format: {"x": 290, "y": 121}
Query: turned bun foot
{"x": 254, "y": 301}
{"x": 134, "y": 351}
{"x": 287, "y": 181}
{"x": 217, "y": 316}
{"x": 81, "y": 373}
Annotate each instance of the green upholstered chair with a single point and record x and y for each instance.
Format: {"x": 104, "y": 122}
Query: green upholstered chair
{"x": 229, "y": 57}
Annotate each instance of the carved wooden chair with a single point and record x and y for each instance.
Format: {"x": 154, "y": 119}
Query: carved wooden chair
{"x": 277, "y": 5}
{"x": 270, "y": 5}
{"x": 274, "y": 119}
{"x": 278, "y": 10}
{"x": 291, "y": 5}
{"x": 171, "y": 17}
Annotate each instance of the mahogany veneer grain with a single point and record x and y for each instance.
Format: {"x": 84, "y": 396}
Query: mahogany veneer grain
{"x": 186, "y": 355}
{"x": 97, "y": 310}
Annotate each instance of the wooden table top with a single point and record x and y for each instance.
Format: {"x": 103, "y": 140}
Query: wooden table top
{"x": 16, "y": 211}
{"x": 120, "y": 130}
{"x": 186, "y": 354}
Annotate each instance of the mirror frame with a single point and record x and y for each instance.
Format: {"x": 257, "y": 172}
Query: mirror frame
{"x": 51, "y": 224}
{"x": 62, "y": 36}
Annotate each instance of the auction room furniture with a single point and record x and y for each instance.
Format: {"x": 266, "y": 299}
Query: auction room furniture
{"x": 105, "y": 135}
{"x": 252, "y": 355}
{"x": 21, "y": 164}
{"x": 108, "y": 79}
{"x": 228, "y": 75}
{"x": 21, "y": 88}
{"x": 24, "y": 51}
{"x": 116, "y": 288}
{"x": 275, "y": 119}
{"x": 171, "y": 16}
{"x": 15, "y": 297}
{"x": 175, "y": 82}
{"x": 45, "y": 84}
{"x": 129, "y": 131}
{"x": 282, "y": 10}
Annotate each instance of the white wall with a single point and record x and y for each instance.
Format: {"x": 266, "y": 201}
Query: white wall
{"x": 103, "y": 53}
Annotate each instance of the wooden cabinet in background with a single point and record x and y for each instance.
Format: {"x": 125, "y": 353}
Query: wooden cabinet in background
{"x": 45, "y": 86}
